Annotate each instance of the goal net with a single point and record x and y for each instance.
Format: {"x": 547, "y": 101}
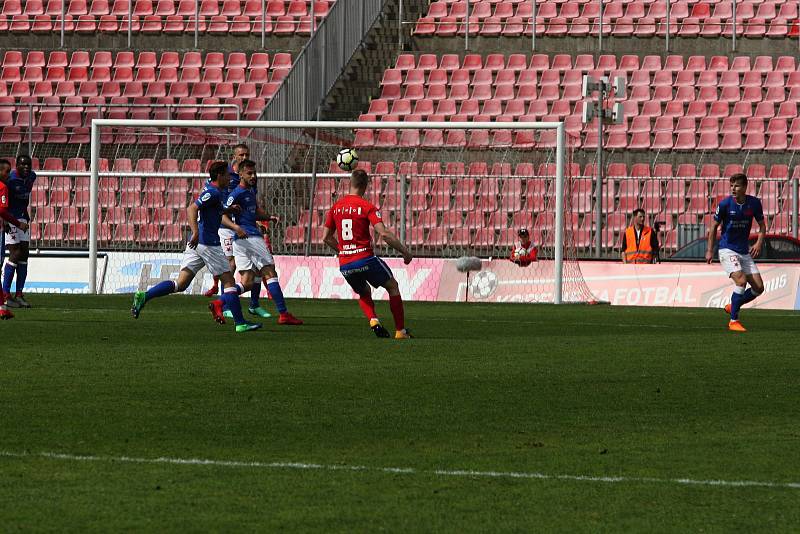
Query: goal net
{"x": 446, "y": 189}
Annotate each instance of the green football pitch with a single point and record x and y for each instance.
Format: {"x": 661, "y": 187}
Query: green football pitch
{"x": 494, "y": 418}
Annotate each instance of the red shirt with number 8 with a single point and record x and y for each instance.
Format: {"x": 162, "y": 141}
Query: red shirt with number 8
{"x": 351, "y": 217}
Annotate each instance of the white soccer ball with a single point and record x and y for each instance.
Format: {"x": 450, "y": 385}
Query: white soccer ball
{"x": 483, "y": 284}
{"x": 520, "y": 252}
{"x": 347, "y": 159}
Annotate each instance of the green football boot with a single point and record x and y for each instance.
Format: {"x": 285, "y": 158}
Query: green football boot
{"x": 259, "y": 312}
{"x": 246, "y": 327}
{"x": 227, "y": 314}
{"x": 138, "y": 303}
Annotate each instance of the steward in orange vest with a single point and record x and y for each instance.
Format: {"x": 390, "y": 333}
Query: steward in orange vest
{"x": 639, "y": 243}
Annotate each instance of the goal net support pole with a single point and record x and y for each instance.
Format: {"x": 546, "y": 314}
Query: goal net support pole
{"x": 236, "y": 126}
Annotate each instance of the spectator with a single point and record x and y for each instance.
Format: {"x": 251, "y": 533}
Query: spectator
{"x": 524, "y": 253}
{"x": 640, "y": 242}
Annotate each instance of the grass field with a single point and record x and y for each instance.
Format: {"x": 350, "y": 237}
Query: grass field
{"x": 495, "y": 418}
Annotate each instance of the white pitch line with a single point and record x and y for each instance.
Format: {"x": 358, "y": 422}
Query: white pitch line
{"x": 403, "y": 470}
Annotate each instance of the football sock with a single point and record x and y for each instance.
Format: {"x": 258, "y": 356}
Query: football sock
{"x": 277, "y": 295}
{"x": 749, "y": 295}
{"x": 396, "y": 305}
{"x": 255, "y": 292}
{"x": 8, "y": 276}
{"x": 737, "y": 299}
{"x": 367, "y": 306}
{"x": 161, "y": 289}
{"x": 230, "y": 297}
{"x": 22, "y": 275}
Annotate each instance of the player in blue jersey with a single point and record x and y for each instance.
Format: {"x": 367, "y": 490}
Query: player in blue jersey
{"x": 20, "y": 185}
{"x": 203, "y": 249}
{"x": 241, "y": 152}
{"x": 735, "y": 214}
{"x": 253, "y": 258}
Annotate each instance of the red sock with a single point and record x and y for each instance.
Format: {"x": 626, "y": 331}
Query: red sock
{"x": 396, "y": 305}
{"x": 367, "y": 306}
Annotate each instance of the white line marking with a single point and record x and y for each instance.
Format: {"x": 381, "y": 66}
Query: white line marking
{"x": 402, "y": 470}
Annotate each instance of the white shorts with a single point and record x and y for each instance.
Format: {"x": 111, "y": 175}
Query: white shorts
{"x": 15, "y": 236}
{"x": 211, "y": 256}
{"x": 226, "y": 239}
{"x": 733, "y": 262}
{"x": 251, "y": 253}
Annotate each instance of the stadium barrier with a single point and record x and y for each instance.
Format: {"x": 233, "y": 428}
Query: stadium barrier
{"x": 694, "y": 285}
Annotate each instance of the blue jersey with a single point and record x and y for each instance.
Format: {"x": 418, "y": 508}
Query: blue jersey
{"x": 19, "y": 194}
{"x": 234, "y": 183}
{"x": 736, "y": 220}
{"x": 245, "y": 198}
{"x": 210, "y": 215}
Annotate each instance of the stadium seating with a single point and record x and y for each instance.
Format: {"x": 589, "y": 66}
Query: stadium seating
{"x": 675, "y": 104}
{"x": 128, "y": 85}
{"x": 169, "y": 17}
{"x": 719, "y": 104}
{"x": 483, "y": 209}
{"x": 575, "y": 18}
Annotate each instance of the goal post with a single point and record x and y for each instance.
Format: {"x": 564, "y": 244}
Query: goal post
{"x": 287, "y": 150}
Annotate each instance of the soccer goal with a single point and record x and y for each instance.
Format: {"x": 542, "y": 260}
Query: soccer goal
{"x": 447, "y": 189}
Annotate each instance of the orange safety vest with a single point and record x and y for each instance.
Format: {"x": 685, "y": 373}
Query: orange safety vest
{"x": 641, "y": 251}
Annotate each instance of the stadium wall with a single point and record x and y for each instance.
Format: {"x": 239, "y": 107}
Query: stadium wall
{"x": 433, "y": 279}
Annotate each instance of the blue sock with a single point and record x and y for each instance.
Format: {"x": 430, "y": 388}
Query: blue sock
{"x": 748, "y": 296}
{"x": 277, "y": 295}
{"x": 255, "y": 291}
{"x": 161, "y": 289}
{"x": 22, "y": 275}
{"x": 8, "y": 276}
{"x": 737, "y": 299}
{"x": 231, "y": 301}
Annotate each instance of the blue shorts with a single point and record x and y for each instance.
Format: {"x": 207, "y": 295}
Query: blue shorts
{"x": 372, "y": 271}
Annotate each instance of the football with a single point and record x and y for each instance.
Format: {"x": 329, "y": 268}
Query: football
{"x": 521, "y": 251}
{"x": 347, "y": 159}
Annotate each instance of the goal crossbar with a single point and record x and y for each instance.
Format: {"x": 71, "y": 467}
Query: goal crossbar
{"x": 560, "y": 158}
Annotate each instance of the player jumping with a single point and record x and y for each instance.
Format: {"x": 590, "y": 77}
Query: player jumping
{"x": 5, "y": 170}
{"x": 20, "y": 185}
{"x": 347, "y": 231}
{"x": 253, "y": 259}
{"x": 736, "y": 214}
{"x": 202, "y": 249}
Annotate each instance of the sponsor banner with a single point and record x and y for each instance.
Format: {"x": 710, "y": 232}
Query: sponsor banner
{"x": 47, "y": 274}
{"x": 433, "y": 279}
{"x": 300, "y": 277}
{"x": 665, "y": 284}
{"x": 686, "y": 284}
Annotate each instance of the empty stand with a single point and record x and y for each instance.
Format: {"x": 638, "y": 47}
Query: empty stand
{"x": 673, "y": 105}
{"x": 60, "y": 92}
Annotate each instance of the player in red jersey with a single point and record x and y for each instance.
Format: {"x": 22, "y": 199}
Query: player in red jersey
{"x": 5, "y": 171}
{"x": 347, "y": 231}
